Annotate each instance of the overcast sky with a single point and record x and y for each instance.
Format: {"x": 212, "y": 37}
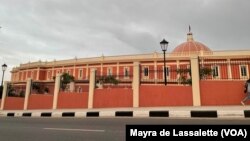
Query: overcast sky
{"x": 33, "y": 30}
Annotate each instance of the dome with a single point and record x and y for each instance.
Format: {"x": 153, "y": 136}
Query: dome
{"x": 191, "y": 47}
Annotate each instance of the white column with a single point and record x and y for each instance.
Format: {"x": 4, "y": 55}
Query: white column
{"x": 27, "y": 93}
{"x": 195, "y": 81}
{"x": 117, "y": 70}
{"x": 101, "y": 69}
{"x": 87, "y": 72}
{"x": 74, "y": 70}
{"x": 91, "y": 88}
{"x": 38, "y": 73}
{"x": 155, "y": 69}
{"x": 56, "y": 91}
{"x": 178, "y": 67}
{"x": 5, "y": 85}
{"x": 136, "y": 84}
{"x": 229, "y": 69}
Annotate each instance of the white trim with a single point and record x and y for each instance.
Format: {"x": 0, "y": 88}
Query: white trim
{"x": 124, "y": 72}
{"x": 247, "y": 73}
{"x": 109, "y": 71}
{"x": 80, "y": 76}
{"x": 218, "y": 69}
{"x": 167, "y": 72}
{"x": 144, "y": 76}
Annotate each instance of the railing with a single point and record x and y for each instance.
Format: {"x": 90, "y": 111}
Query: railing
{"x": 174, "y": 76}
{"x": 15, "y": 90}
{"x": 224, "y": 69}
{"x": 114, "y": 81}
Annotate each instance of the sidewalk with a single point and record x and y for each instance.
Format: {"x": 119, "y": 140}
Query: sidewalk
{"x": 171, "y": 112}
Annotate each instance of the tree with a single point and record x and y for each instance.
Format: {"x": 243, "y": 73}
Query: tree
{"x": 65, "y": 80}
{"x": 204, "y": 72}
{"x": 107, "y": 79}
{"x": 183, "y": 76}
{"x": 36, "y": 86}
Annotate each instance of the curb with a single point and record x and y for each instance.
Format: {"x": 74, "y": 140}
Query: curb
{"x": 141, "y": 114}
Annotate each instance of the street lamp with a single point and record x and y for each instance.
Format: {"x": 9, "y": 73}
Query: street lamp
{"x": 164, "y": 47}
{"x": 4, "y": 67}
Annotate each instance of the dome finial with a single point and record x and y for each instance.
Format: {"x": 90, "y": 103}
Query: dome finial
{"x": 190, "y": 34}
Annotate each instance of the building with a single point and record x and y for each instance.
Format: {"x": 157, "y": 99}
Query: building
{"x": 196, "y": 76}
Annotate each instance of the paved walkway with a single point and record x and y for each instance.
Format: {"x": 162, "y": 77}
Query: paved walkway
{"x": 172, "y": 112}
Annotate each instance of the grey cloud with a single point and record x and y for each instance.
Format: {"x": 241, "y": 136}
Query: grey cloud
{"x": 62, "y": 29}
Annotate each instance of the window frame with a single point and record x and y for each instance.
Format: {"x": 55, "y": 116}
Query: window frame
{"x": 246, "y": 71}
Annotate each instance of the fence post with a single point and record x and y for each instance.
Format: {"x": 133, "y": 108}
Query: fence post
{"x": 5, "y": 85}
{"x": 56, "y": 91}
{"x": 136, "y": 84}
{"x": 195, "y": 80}
{"x": 91, "y": 88}
{"x": 27, "y": 93}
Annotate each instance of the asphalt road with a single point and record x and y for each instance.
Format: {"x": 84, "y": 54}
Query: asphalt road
{"x": 86, "y": 129}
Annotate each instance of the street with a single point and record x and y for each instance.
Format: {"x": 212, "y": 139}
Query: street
{"x": 89, "y": 129}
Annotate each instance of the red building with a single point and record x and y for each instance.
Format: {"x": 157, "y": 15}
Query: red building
{"x": 196, "y": 76}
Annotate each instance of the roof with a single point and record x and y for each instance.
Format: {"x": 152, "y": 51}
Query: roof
{"x": 190, "y": 47}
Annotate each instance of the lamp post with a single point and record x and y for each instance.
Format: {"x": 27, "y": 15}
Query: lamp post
{"x": 4, "y": 67}
{"x": 164, "y": 47}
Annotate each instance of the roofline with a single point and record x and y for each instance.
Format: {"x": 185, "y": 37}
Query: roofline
{"x": 155, "y": 56}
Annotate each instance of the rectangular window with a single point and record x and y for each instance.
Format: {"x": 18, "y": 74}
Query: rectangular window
{"x": 167, "y": 71}
{"x": 126, "y": 72}
{"x": 80, "y": 74}
{"x": 215, "y": 71}
{"x": 146, "y": 72}
{"x": 109, "y": 71}
{"x": 243, "y": 71}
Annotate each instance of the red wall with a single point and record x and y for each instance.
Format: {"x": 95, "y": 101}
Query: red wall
{"x": 155, "y": 95}
{"x": 14, "y": 103}
{"x": 42, "y": 75}
{"x": 221, "y": 92}
{"x": 40, "y": 101}
{"x": 113, "y": 97}
{"x": 72, "y": 100}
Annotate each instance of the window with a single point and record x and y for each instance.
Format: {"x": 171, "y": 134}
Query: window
{"x": 109, "y": 71}
{"x": 80, "y": 74}
{"x": 126, "y": 72}
{"x": 79, "y": 89}
{"x": 145, "y": 72}
{"x": 215, "y": 71}
{"x": 243, "y": 71}
{"x": 167, "y": 71}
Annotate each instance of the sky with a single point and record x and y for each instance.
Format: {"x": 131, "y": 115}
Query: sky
{"x": 47, "y": 30}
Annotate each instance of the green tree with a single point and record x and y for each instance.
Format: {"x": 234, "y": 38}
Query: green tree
{"x": 65, "y": 80}
{"x": 183, "y": 76}
{"x": 204, "y": 72}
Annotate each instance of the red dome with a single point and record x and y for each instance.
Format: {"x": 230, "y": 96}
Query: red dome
{"x": 190, "y": 47}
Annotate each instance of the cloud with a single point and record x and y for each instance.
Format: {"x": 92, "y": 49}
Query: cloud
{"x": 62, "y": 29}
